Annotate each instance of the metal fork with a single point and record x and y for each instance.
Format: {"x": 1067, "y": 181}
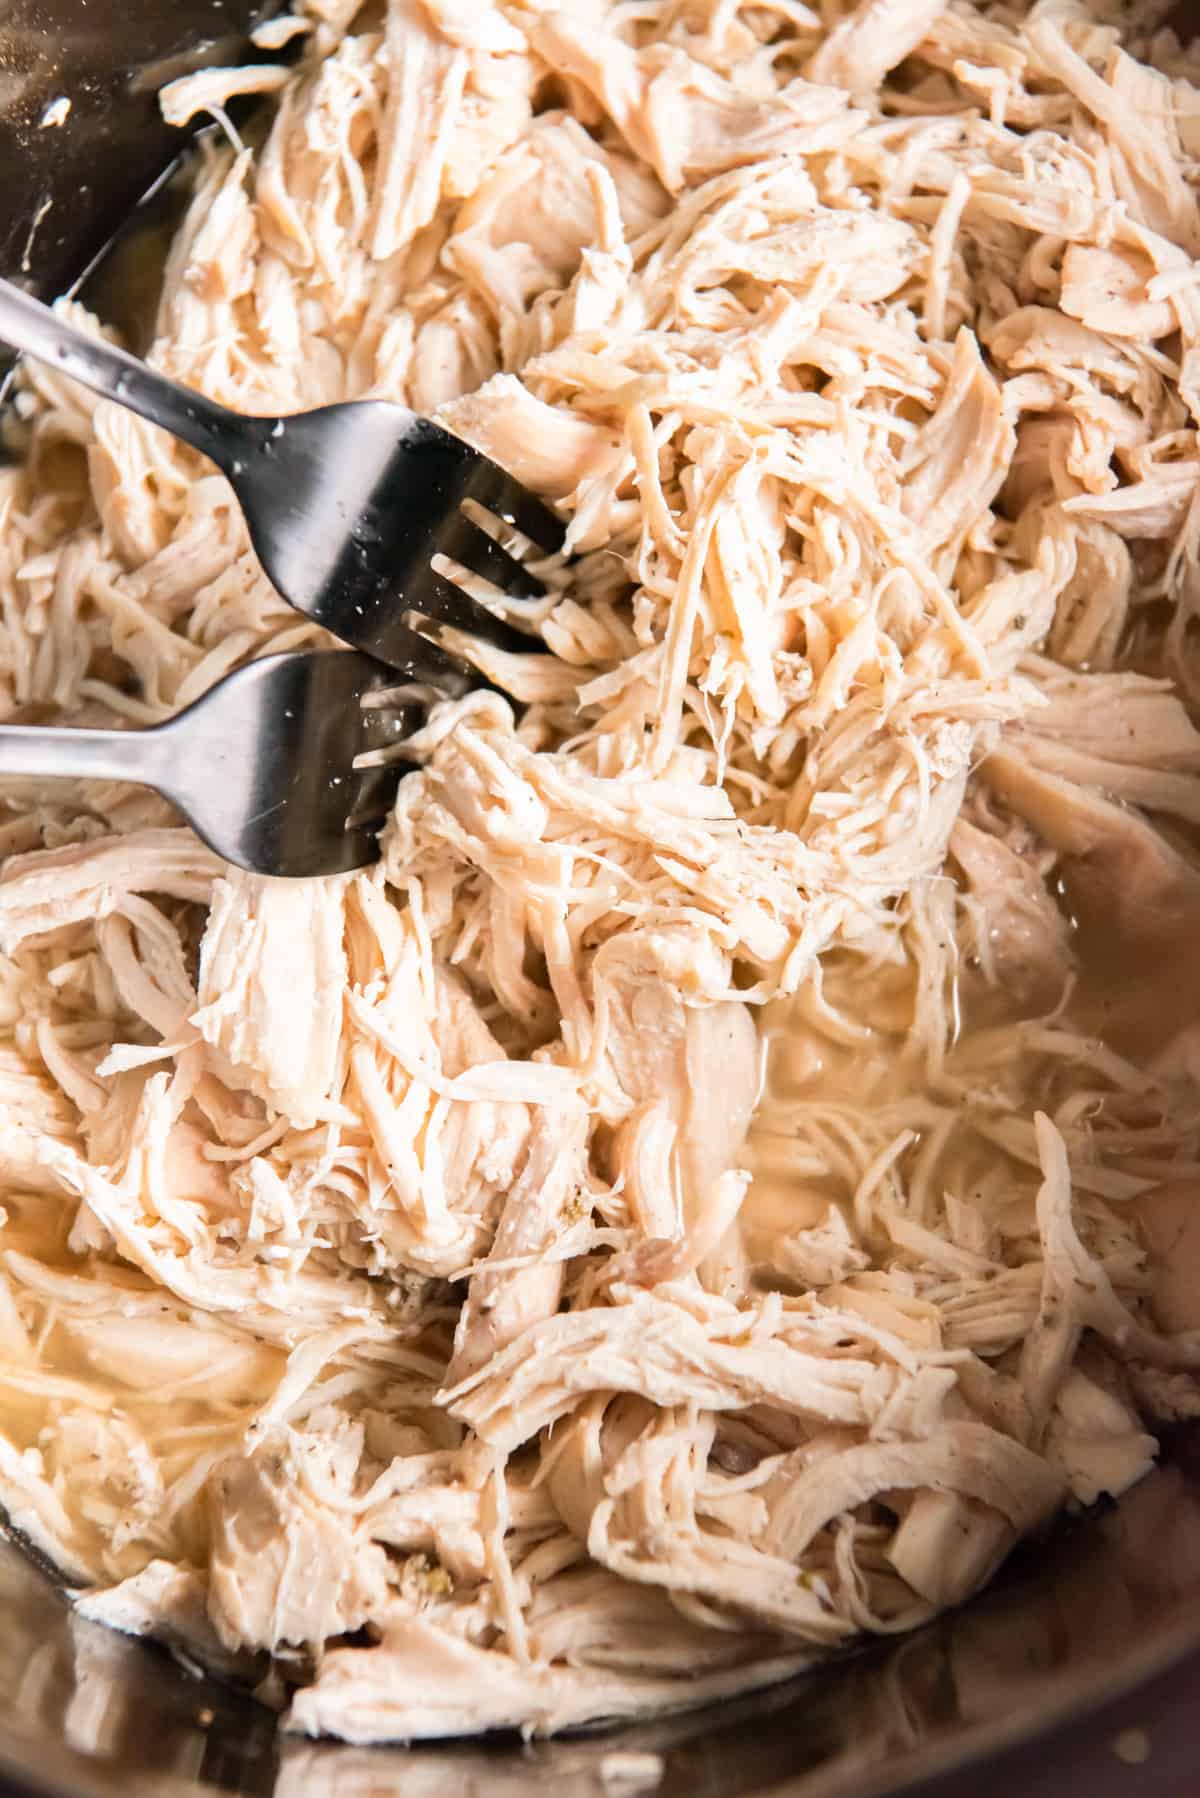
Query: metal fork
{"x": 346, "y": 506}
{"x": 268, "y": 765}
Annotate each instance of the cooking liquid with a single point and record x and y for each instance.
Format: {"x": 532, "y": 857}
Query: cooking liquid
{"x": 839, "y": 1098}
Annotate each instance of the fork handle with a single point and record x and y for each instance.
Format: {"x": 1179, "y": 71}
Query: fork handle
{"x": 222, "y": 435}
{"x": 48, "y": 752}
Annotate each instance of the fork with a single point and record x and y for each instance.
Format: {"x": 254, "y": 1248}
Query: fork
{"x": 348, "y": 507}
{"x": 286, "y": 766}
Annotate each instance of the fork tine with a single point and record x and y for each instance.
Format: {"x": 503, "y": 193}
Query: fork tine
{"x": 376, "y": 794}
{"x": 500, "y": 493}
{"x": 467, "y": 542}
{"x": 412, "y": 653}
{"x": 436, "y": 597}
{"x": 383, "y": 726}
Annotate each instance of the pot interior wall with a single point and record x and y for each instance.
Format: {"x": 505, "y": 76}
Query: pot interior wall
{"x": 1108, "y": 1602}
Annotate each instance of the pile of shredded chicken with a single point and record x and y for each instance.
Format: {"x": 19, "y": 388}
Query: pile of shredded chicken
{"x": 730, "y": 1169}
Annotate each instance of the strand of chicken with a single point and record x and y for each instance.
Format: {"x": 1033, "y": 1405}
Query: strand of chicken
{"x": 729, "y": 1171}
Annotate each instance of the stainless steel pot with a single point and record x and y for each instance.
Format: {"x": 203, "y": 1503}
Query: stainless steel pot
{"x": 1079, "y": 1671}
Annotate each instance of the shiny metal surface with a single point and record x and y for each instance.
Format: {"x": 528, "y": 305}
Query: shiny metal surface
{"x": 263, "y": 763}
{"x": 1073, "y": 1640}
{"x": 347, "y": 507}
{"x": 79, "y": 179}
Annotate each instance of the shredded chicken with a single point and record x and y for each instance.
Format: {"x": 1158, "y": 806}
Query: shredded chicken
{"x": 729, "y": 1171}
